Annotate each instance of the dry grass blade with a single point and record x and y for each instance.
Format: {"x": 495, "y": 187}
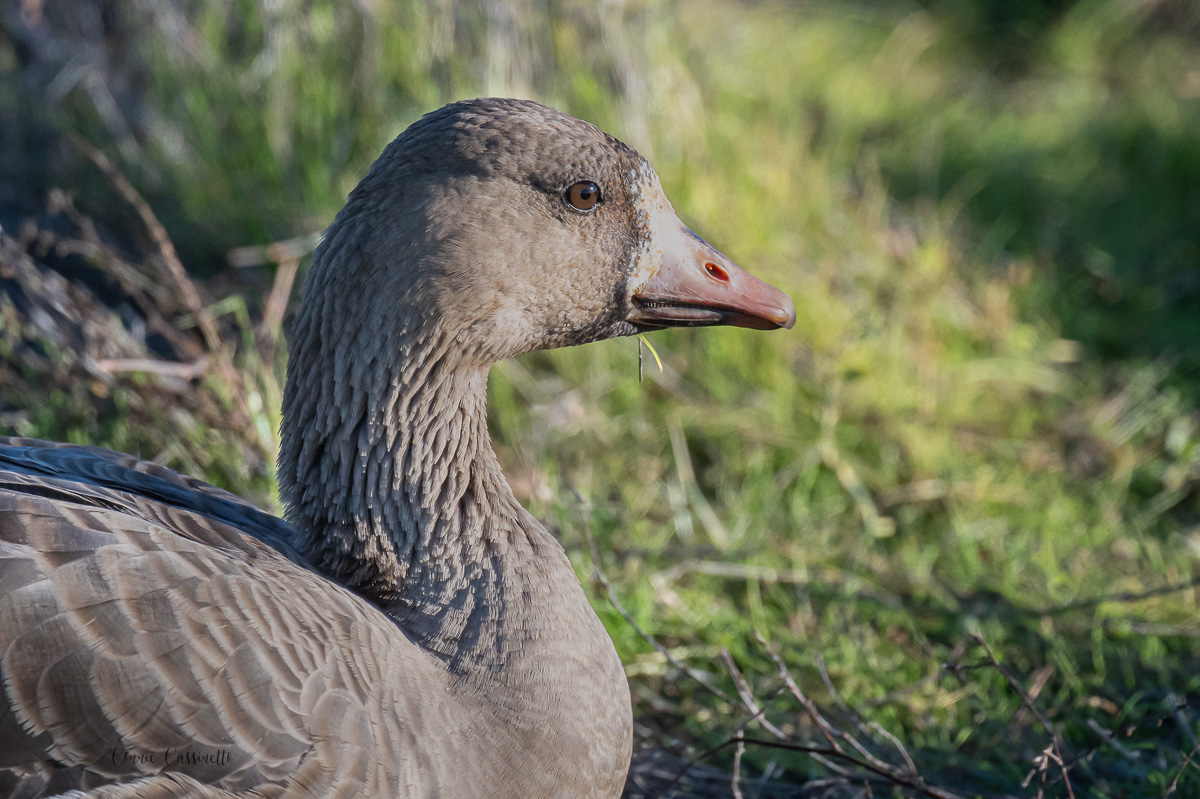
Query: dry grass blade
{"x": 598, "y": 571}
{"x": 286, "y": 254}
{"x": 277, "y": 301}
{"x": 183, "y": 371}
{"x": 277, "y": 252}
{"x": 174, "y": 270}
{"x": 148, "y": 293}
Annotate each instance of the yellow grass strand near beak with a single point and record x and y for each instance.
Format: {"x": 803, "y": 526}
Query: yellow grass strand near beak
{"x": 643, "y": 340}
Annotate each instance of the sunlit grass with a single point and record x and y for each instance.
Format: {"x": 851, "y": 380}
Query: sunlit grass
{"x": 986, "y": 412}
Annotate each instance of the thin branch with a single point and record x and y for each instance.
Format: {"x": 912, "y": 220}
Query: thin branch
{"x": 1187, "y": 761}
{"x": 866, "y": 729}
{"x": 1055, "y": 750}
{"x": 1109, "y": 737}
{"x": 887, "y": 776}
{"x": 736, "y": 777}
{"x": 747, "y": 696}
{"x": 1180, "y": 719}
{"x": 908, "y": 761}
{"x": 871, "y": 767}
{"x": 739, "y": 731}
{"x": 827, "y": 729}
{"x": 865, "y": 759}
{"x": 172, "y": 266}
{"x": 147, "y": 293}
{"x": 1123, "y": 597}
{"x": 286, "y": 254}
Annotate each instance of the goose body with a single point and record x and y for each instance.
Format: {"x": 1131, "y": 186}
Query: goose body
{"x": 410, "y": 630}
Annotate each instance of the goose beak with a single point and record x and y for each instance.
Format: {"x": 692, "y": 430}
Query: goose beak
{"x": 697, "y": 286}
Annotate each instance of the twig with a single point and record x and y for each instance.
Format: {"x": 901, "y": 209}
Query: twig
{"x": 757, "y": 712}
{"x": 865, "y": 759}
{"x": 148, "y": 294}
{"x": 831, "y": 733}
{"x": 1053, "y": 752}
{"x": 1109, "y": 737}
{"x": 829, "y": 756}
{"x": 864, "y": 728}
{"x": 1036, "y": 684}
{"x": 876, "y": 774}
{"x": 814, "y": 714}
{"x": 600, "y": 576}
{"x": 878, "y": 729}
{"x": 736, "y": 777}
{"x": 1123, "y": 597}
{"x": 739, "y": 731}
{"x": 747, "y": 696}
{"x": 173, "y": 267}
{"x": 1180, "y": 719}
{"x": 1187, "y": 761}
{"x": 286, "y": 254}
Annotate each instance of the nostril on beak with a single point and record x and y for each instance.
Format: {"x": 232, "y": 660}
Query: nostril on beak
{"x": 716, "y": 272}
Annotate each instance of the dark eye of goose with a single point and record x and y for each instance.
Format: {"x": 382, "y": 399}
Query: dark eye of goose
{"x": 584, "y": 195}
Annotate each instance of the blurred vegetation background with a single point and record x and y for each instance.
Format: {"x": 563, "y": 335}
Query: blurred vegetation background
{"x": 984, "y": 424}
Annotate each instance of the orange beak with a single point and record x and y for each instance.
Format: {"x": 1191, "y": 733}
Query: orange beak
{"x": 697, "y": 286}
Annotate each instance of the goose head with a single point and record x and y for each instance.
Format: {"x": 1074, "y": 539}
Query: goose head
{"x": 514, "y": 227}
{"x": 489, "y": 228}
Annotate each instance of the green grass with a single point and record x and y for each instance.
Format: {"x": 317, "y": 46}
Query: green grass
{"x": 984, "y": 422}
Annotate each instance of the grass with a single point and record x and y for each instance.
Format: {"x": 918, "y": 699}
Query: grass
{"x": 984, "y": 424}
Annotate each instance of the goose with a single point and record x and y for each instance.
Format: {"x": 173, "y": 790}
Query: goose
{"x": 410, "y": 630}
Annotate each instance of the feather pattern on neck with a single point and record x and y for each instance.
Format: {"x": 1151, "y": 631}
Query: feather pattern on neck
{"x": 390, "y": 476}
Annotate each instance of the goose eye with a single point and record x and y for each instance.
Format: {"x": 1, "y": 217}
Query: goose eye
{"x": 584, "y": 195}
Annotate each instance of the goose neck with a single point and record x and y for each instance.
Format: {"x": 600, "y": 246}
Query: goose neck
{"x": 391, "y": 478}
